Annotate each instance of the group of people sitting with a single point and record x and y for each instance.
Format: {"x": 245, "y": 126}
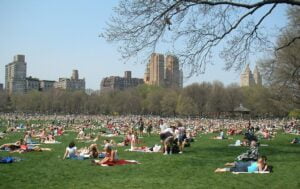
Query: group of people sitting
{"x": 108, "y": 157}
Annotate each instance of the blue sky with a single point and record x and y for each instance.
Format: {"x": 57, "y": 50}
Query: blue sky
{"x": 60, "y": 35}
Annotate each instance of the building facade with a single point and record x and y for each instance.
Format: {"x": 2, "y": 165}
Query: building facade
{"x": 46, "y": 85}
{"x": 250, "y": 79}
{"x": 32, "y": 84}
{"x": 72, "y": 84}
{"x": 15, "y": 75}
{"x": 163, "y": 71}
{"x": 1, "y": 86}
{"x": 120, "y": 83}
{"x": 172, "y": 78}
{"x": 157, "y": 69}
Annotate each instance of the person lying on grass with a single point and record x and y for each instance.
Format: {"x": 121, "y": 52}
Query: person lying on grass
{"x": 89, "y": 152}
{"x": 12, "y": 146}
{"x": 295, "y": 141}
{"x": 21, "y": 146}
{"x": 249, "y": 166}
{"x": 31, "y": 148}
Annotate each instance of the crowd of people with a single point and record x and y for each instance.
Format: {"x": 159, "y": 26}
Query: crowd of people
{"x": 175, "y": 134}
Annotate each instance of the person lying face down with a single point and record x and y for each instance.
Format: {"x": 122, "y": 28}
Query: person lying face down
{"x": 249, "y": 166}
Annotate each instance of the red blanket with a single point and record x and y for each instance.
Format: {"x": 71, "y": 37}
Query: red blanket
{"x": 120, "y": 162}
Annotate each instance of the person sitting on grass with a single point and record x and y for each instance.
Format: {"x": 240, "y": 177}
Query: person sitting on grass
{"x": 110, "y": 156}
{"x": 251, "y": 154}
{"x": 250, "y": 166}
{"x": 71, "y": 151}
{"x": 221, "y": 136}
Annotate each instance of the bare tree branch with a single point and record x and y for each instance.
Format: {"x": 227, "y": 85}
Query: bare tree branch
{"x": 196, "y": 29}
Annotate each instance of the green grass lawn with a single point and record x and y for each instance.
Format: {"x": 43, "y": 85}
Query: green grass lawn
{"x": 193, "y": 169}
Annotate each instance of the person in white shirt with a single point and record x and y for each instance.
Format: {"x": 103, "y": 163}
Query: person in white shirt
{"x": 163, "y": 126}
{"x": 71, "y": 151}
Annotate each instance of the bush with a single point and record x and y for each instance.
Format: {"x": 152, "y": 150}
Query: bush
{"x": 295, "y": 114}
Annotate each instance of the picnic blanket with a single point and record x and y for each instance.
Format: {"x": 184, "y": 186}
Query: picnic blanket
{"x": 236, "y": 145}
{"x": 145, "y": 149}
{"x": 255, "y": 172}
{"x": 120, "y": 162}
{"x": 51, "y": 142}
{"x": 111, "y": 135}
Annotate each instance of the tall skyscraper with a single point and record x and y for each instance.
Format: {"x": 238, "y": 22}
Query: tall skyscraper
{"x": 15, "y": 75}
{"x": 249, "y": 79}
{"x": 163, "y": 71}
{"x": 147, "y": 74}
{"x": 257, "y": 76}
{"x": 157, "y": 70}
{"x": 181, "y": 79}
{"x": 172, "y": 71}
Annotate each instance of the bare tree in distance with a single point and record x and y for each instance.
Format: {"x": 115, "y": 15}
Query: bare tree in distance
{"x": 195, "y": 29}
{"x": 282, "y": 69}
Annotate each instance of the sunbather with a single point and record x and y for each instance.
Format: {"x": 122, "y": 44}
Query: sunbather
{"x": 250, "y": 166}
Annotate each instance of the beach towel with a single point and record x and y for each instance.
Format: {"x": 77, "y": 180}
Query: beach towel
{"x": 155, "y": 148}
{"x": 235, "y": 145}
{"x": 255, "y": 172}
{"x": 120, "y": 162}
{"x": 51, "y": 142}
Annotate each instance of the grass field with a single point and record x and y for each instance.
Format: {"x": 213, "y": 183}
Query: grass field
{"x": 193, "y": 169}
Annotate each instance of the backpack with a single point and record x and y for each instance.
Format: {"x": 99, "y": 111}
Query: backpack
{"x": 6, "y": 160}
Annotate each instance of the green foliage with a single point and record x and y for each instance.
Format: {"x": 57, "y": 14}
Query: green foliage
{"x": 295, "y": 114}
{"x": 203, "y": 99}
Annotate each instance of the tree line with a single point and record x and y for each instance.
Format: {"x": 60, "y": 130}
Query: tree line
{"x": 198, "y": 99}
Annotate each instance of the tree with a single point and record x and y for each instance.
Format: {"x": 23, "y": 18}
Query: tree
{"x": 169, "y": 102}
{"x": 233, "y": 97}
{"x": 199, "y": 93}
{"x": 282, "y": 70}
{"x": 186, "y": 106}
{"x": 201, "y": 25}
{"x": 216, "y": 101}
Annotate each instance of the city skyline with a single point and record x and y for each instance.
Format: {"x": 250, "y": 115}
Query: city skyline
{"x": 57, "y": 37}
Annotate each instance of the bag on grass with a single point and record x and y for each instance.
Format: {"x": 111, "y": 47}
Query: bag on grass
{"x": 6, "y": 160}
